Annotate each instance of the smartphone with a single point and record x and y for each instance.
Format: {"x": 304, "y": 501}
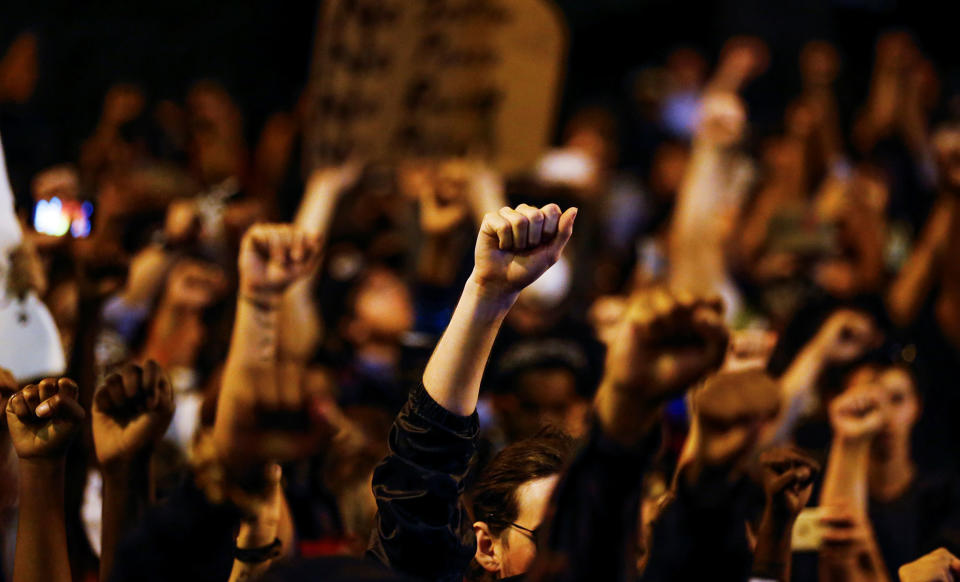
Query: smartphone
{"x": 57, "y": 217}
{"x": 807, "y": 530}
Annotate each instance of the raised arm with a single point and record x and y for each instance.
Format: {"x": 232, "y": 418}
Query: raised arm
{"x": 43, "y": 419}
{"x": 422, "y": 526}
{"x": 131, "y": 411}
{"x": 301, "y": 324}
{"x": 845, "y": 336}
{"x": 272, "y": 257}
{"x": 850, "y": 551}
{"x": 514, "y": 247}
{"x": 664, "y": 344}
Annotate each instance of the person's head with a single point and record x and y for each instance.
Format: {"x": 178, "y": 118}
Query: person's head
{"x": 899, "y": 404}
{"x": 382, "y": 309}
{"x": 509, "y": 501}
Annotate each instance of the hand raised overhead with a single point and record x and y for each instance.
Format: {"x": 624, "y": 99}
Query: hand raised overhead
{"x": 43, "y": 418}
{"x": 665, "y": 343}
{"x": 857, "y": 414}
{"x": 517, "y": 245}
{"x": 131, "y": 411}
{"x": 272, "y": 256}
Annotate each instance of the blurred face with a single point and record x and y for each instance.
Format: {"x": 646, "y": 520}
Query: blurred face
{"x": 900, "y": 407}
{"x": 384, "y": 309}
{"x": 549, "y": 397}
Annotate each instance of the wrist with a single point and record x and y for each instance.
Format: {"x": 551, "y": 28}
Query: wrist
{"x": 259, "y": 298}
{"x": 43, "y": 468}
{"x": 123, "y": 468}
{"x": 490, "y": 300}
{"x": 255, "y": 534}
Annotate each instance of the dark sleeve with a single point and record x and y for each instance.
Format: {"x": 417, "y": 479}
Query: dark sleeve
{"x": 422, "y": 527}
{"x": 700, "y": 532}
{"x": 184, "y": 539}
{"x": 593, "y": 517}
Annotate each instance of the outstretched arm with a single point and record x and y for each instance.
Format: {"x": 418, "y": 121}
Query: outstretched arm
{"x": 514, "y": 248}
{"x": 131, "y": 411}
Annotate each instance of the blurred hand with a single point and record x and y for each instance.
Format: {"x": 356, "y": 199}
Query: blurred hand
{"x": 731, "y": 412}
{"x": 272, "y": 256}
{"x": 43, "y": 418}
{"x": 272, "y": 421}
{"x": 183, "y": 223}
{"x": 439, "y": 215}
{"x": 131, "y": 412}
{"x": 937, "y": 566}
{"x": 722, "y": 120}
{"x": 856, "y": 414}
{"x": 788, "y": 475}
{"x": 516, "y": 246}
{"x": 846, "y": 335}
{"x": 665, "y": 343}
{"x": 193, "y": 285}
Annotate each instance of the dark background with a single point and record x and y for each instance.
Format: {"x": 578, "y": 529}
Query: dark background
{"x": 261, "y": 50}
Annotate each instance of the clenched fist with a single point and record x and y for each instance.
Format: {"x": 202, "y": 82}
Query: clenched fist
{"x": 787, "y": 475}
{"x": 517, "y": 245}
{"x": 43, "y": 418}
{"x": 131, "y": 411}
{"x": 666, "y": 342}
{"x": 663, "y": 345}
{"x": 857, "y": 413}
{"x": 272, "y": 256}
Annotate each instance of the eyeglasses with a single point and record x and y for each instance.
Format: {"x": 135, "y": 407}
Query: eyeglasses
{"x": 533, "y": 534}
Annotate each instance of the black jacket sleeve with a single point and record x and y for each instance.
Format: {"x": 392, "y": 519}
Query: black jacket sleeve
{"x": 594, "y": 515}
{"x": 422, "y": 527}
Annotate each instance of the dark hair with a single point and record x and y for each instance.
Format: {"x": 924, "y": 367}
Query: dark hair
{"x": 493, "y": 498}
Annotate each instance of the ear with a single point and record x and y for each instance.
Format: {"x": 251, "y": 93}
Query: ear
{"x": 488, "y": 547}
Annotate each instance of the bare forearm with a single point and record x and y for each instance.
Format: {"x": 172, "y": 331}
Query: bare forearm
{"x": 845, "y": 482}
{"x": 126, "y": 494}
{"x": 41, "y": 554}
{"x": 772, "y": 554}
{"x": 452, "y": 376}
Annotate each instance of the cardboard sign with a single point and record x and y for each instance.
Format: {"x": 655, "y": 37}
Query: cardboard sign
{"x": 412, "y": 78}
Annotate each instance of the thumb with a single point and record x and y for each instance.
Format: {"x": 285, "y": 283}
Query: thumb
{"x": 564, "y": 230}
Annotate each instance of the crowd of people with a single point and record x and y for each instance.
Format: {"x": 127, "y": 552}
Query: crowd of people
{"x": 736, "y": 361}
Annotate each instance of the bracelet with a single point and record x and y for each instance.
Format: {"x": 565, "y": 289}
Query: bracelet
{"x": 258, "y": 555}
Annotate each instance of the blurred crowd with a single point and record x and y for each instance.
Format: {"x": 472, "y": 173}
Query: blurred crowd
{"x": 742, "y": 365}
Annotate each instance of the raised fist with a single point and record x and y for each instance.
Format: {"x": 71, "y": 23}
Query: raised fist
{"x": 43, "y": 418}
{"x": 665, "y": 343}
{"x": 847, "y": 335}
{"x": 193, "y": 285}
{"x": 731, "y": 412}
{"x": 856, "y": 414}
{"x": 937, "y": 566}
{"x": 272, "y": 256}
{"x": 722, "y": 118}
{"x": 516, "y": 246}
{"x": 131, "y": 411}
{"x": 787, "y": 475}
